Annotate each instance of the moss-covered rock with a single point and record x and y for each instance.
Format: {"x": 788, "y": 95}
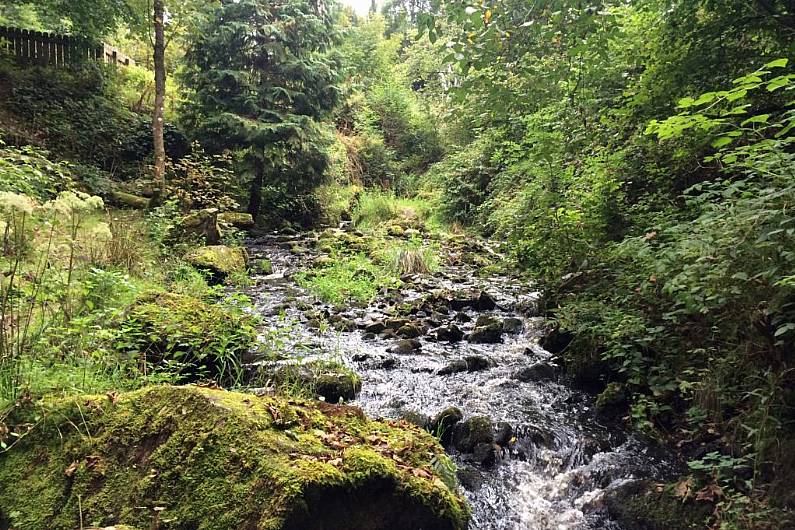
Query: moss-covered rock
{"x": 199, "y": 458}
{"x": 219, "y": 260}
{"x": 237, "y": 219}
{"x": 642, "y": 505}
{"x": 611, "y": 399}
{"x": 202, "y": 337}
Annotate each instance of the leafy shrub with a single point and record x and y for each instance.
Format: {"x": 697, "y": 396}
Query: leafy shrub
{"x": 30, "y": 171}
{"x": 200, "y": 181}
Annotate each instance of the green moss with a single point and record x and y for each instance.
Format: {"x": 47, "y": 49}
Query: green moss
{"x": 180, "y": 328}
{"x": 202, "y": 458}
{"x": 237, "y": 219}
{"x": 612, "y": 396}
{"x": 643, "y": 505}
{"x": 220, "y": 260}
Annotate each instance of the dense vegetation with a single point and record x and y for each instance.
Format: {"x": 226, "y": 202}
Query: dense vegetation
{"x": 633, "y": 159}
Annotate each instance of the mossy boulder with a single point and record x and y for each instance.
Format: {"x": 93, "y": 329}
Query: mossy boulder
{"x": 178, "y": 458}
{"x": 219, "y": 260}
{"x": 204, "y": 338}
{"x": 643, "y": 505}
{"x": 237, "y": 219}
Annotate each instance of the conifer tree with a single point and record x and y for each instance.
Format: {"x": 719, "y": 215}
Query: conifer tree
{"x": 262, "y": 79}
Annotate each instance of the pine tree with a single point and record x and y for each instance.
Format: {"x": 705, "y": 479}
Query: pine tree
{"x": 261, "y": 80}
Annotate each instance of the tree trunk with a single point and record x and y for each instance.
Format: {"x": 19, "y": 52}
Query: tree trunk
{"x": 255, "y": 193}
{"x": 160, "y": 93}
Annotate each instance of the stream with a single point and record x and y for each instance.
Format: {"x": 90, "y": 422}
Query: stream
{"x": 558, "y": 456}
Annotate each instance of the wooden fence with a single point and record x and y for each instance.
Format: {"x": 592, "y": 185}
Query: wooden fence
{"x": 39, "y": 48}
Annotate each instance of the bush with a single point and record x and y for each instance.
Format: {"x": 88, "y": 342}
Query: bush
{"x": 30, "y": 171}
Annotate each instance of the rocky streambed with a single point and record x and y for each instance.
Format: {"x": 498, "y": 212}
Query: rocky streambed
{"x": 457, "y": 352}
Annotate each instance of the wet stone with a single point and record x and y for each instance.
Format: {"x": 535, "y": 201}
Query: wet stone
{"x": 387, "y": 363}
{"x": 477, "y": 363}
{"x": 476, "y": 430}
{"x": 471, "y": 479}
{"x": 409, "y": 331}
{"x": 503, "y": 433}
{"x": 485, "y": 302}
{"x": 422, "y": 421}
{"x": 485, "y": 454}
{"x": 463, "y": 317}
{"x": 406, "y": 346}
{"x": 444, "y": 423}
{"x": 541, "y": 371}
{"x": 457, "y": 366}
{"x": 375, "y": 327}
{"x": 449, "y": 333}
{"x": 491, "y": 334}
{"x": 512, "y": 325}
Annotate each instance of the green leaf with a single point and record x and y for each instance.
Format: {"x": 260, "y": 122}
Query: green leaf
{"x": 761, "y": 118}
{"x": 778, "y": 63}
{"x": 723, "y": 141}
{"x": 685, "y": 102}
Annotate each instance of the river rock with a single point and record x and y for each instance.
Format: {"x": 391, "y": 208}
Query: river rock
{"x": 463, "y": 317}
{"x": 503, "y": 434}
{"x": 406, "y": 346}
{"x": 444, "y": 422}
{"x": 409, "y": 331}
{"x": 396, "y": 323}
{"x": 485, "y": 302}
{"x": 454, "y": 367}
{"x": 219, "y": 260}
{"x": 389, "y": 362}
{"x": 470, "y": 477}
{"x": 449, "y": 333}
{"x": 485, "y": 454}
{"x": 237, "y": 219}
{"x": 328, "y": 381}
{"x": 512, "y": 325}
{"x": 345, "y": 325}
{"x": 488, "y": 330}
{"x": 224, "y": 459}
{"x": 477, "y": 363}
{"x": 540, "y": 371}
{"x": 375, "y": 327}
{"x": 643, "y": 505}
{"x": 474, "y": 431}
{"x": 423, "y": 421}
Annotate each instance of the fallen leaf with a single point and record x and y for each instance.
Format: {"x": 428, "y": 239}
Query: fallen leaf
{"x": 70, "y": 471}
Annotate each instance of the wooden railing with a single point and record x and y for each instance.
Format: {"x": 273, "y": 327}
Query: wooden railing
{"x": 41, "y": 48}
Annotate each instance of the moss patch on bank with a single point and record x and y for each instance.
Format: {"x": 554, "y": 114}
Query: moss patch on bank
{"x": 190, "y": 457}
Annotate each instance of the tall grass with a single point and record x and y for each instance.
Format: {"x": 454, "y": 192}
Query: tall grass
{"x": 378, "y": 207}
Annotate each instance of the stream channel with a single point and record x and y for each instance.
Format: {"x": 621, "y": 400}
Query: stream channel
{"x": 556, "y": 456}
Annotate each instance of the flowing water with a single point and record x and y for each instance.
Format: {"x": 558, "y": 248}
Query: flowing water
{"x": 563, "y": 456}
